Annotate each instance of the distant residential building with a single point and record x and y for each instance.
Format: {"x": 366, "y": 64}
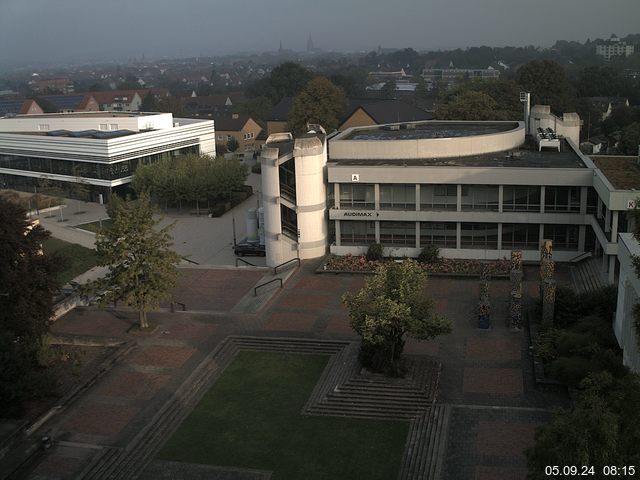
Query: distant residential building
{"x": 118, "y": 100}
{"x": 614, "y": 47}
{"x": 208, "y": 106}
{"x": 241, "y": 127}
{"x": 277, "y": 121}
{"x": 607, "y": 104}
{"x": 19, "y": 106}
{"x": 367, "y": 112}
{"x": 63, "y": 85}
{"x": 397, "y": 75}
{"x": 80, "y": 102}
{"x": 451, "y": 76}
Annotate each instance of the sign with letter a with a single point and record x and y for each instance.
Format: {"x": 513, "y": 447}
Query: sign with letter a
{"x": 355, "y": 177}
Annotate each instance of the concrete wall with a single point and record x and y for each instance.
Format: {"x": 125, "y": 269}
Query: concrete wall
{"x": 387, "y": 149}
{"x": 85, "y": 121}
{"x": 628, "y": 296}
{"x": 568, "y": 126}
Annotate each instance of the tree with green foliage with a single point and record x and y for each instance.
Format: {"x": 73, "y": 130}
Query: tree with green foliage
{"x": 390, "y": 307}
{"x": 191, "y": 178}
{"x": 28, "y": 283}
{"x": 232, "y": 144}
{"x": 149, "y": 103}
{"x": 142, "y": 266}
{"x": 630, "y": 140}
{"x": 388, "y": 90}
{"x": 320, "y": 102}
{"x": 548, "y": 83}
{"x": 171, "y": 105}
{"x": 601, "y": 429}
{"x": 469, "y": 105}
{"x": 286, "y": 80}
{"x": 257, "y": 108}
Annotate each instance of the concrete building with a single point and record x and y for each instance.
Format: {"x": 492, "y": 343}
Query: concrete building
{"x": 473, "y": 189}
{"x": 451, "y": 76}
{"x": 624, "y": 326}
{"x": 98, "y": 149}
{"x": 614, "y": 47}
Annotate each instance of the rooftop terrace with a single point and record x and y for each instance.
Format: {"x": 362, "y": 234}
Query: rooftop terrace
{"x": 430, "y": 130}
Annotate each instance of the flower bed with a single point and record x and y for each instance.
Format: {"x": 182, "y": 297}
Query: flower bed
{"x": 445, "y": 266}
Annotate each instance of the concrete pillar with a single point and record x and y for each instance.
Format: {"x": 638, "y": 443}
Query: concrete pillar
{"x": 542, "y": 193}
{"x": 500, "y": 200}
{"x": 377, "y": 231}
{"x": 417, "y": 234}
{"x": 607, "y": 221}
{"x": 614, "y": 227}
{"x": 336, "y": 195}
{"x": 541, "y": 236}
{"x": 458, "y": 230}
{"x": 584, "y": 191}
{"x": 459, "y": 199}
{"x": 338, "y": 234}
{"x": 417, "y": 197}
{"x": 612, "y": 268}
{"x": 500, "y": 228}
{"x": 376, "y": 196}
{"x": 310, "y": 155}
{"x": 270, "y": 178}
{"x": 582, "y": 236}
{"x": 599, "y": 208}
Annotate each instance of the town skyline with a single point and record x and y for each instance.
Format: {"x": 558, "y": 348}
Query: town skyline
{"x": 84, "y": 31}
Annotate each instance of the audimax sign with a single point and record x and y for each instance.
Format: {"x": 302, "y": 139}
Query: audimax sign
{"x": 360, "y": 214}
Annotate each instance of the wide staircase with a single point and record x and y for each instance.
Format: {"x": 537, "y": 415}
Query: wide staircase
{"x": 587, "y": 276}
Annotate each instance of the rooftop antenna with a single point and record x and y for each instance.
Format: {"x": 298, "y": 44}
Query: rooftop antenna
{"x": 525, "y": 98}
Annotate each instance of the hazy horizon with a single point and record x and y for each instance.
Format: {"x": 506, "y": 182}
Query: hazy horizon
{"x": 82, "y": 30}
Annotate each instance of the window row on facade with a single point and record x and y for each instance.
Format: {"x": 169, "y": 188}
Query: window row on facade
{"x": 445, "y": 234}
{"x": 94, "y": 170}
{"x": 472, "y": 197}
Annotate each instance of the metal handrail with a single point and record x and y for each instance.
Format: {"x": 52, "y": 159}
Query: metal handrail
{"x": 275, "y": 269}
{"x": 255, "y": 290}
{"x": 580, "y": 257}
{"x": 190, "y": 261}
{"x": 244, "y": 261}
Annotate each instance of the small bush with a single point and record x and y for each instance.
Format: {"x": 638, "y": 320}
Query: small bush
{"x": 429, "y": 254}
{"x": 545, "y": 344}
{"x": 374, "y": 252}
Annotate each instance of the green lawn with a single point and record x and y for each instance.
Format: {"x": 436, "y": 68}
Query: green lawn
{"x": 251, "y": 418}
{"x": 95, "y": 226}
{"x": 77, "y": 259}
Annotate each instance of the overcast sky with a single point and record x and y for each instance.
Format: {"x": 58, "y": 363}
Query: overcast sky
{"x": 61, "y": 30}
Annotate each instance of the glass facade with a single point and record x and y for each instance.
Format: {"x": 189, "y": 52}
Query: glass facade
{"x": 440, "y": 234}
{"x": 565, "y": 237}
{"x": 287, "y": 173}
{"x": 289, "y": 220}
{"x": 562, "y": 199}
{"x": 357, "y": 196}
{"x": 357, "y": 233}
{"x": 480, "y": 197}
{"x": 397, "y": 196}
{"x": 520, "y": 199}
{"x": 479, "y": 235}
{"x": 520, "y": 235}
{"x": 91, "y": 170}
{"x": 398, "y": 234}
{"x": 438, "y": 197}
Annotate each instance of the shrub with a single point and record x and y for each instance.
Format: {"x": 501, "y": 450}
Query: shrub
{"x": 374, "y": 252}
{"x": 429, "y": 254}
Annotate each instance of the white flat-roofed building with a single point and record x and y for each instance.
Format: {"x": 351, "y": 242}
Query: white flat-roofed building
{"x": 99, "y": 149}
{"x": 473, "y": 189}
{"x": 624, "y": 325}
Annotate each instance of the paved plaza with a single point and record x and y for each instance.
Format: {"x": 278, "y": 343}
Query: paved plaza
{"x": 486, "y": 384}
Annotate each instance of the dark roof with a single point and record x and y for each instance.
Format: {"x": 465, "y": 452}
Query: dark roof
{"x": 392, "y": 111}
{"x": 227, "y": 123}
{"x": 430, "y": 130}
{"x": 280, "y": 113}
{"x": 13, "y": 106}
{"x": 64, "y": 102}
